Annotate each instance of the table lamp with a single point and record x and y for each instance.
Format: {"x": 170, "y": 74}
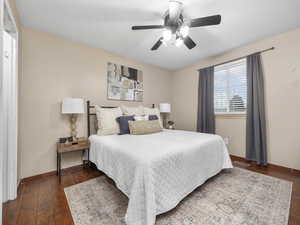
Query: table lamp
{"x": 164, "y": 109}
{"x": 73, "y": 106}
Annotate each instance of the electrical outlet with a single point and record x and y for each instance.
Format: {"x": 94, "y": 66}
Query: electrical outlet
{"x": 226, "y": 140}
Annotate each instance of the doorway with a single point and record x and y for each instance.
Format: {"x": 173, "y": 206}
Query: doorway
{"x": 8, "y": 105}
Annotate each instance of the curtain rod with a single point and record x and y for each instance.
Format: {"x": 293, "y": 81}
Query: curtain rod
{"x": 232, "y": 60}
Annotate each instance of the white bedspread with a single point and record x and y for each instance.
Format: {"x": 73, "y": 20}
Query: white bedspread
{"x": 157, "y": 171}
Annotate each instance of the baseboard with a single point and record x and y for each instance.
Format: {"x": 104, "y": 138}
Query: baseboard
{"x": 51, "y": 173}
{"x": 270, "y": 165}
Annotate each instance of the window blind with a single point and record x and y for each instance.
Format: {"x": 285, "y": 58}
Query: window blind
{"x": 230, "y": 87}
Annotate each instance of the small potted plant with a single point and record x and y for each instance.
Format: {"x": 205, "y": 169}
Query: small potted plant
{"x": 171, "y": 125}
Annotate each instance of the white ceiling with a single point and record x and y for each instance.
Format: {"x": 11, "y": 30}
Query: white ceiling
{"x": 107, "y": 24}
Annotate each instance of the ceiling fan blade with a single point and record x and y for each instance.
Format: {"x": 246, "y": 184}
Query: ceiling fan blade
{"x": 206, "y": 21}
{"x": 157, "y": 44}
{"x": 147, "y": 27}
{"x": 189, "y": 42}
{"x": 175, "y": 9}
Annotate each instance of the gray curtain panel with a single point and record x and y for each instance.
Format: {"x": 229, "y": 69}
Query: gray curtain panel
{"x": 256, "y": 141}
{"x": 206, "y": 114}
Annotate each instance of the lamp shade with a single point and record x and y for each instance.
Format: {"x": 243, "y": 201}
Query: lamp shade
{"x": 72, "y": 106}
{"x": 164, "y": 107}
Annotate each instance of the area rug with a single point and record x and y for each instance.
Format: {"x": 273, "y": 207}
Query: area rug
{"x": 234, "y": 197}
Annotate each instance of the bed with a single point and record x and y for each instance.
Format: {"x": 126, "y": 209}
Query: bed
{"x": 156, "y": 171}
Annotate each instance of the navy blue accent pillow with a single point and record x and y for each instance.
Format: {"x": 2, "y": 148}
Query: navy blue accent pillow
{"x": 153, "y": 117}
{"x": 123, "y": 123}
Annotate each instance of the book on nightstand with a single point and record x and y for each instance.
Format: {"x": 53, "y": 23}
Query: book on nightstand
{"x": 67, "y": 141}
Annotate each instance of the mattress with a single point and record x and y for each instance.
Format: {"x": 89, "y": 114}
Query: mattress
{"x": 156, "y": 171}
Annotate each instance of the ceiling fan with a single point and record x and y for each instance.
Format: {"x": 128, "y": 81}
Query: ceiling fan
{"x": 177, "y": 28}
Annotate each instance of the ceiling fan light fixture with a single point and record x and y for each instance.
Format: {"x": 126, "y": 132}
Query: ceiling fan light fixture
{"x": 184, "y": 31}
{"x": 167, "y": 34}
{"x": 175, "y": 28}
{"x": 178, "y": 42}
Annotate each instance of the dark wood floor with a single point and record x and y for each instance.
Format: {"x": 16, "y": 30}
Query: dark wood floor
{"x": 42, "y": 201}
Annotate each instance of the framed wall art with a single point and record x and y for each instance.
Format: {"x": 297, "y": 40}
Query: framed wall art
{"x": 124, "y": 83}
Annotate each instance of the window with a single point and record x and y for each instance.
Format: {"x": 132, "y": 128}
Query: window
{"x": 230, "y": 90}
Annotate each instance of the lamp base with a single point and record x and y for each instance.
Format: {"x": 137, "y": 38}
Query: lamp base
{"x": 164, "y": 117}
{"x": 73, "y": 121}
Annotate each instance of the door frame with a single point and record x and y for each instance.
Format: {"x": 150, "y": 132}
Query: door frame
{"x": 9, "y": 135}
{"x": 1, "y": 108}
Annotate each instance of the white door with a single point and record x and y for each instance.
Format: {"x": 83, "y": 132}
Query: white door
{"x": 9, "y": 97}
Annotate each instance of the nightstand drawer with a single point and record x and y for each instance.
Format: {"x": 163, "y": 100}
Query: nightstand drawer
{"x": 70, "y": 148}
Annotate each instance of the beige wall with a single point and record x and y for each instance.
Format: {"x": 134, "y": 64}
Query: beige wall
{"x": 282, "y": 91}
{"x": 54, "y": 68}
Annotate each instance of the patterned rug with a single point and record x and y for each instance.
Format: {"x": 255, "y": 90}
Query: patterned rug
{"x": 234, "y": 197}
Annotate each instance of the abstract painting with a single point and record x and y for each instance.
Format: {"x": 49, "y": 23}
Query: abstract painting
{"x": 124, "y": 83}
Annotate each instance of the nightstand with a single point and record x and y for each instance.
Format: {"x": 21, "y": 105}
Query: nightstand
{"x": 65, "y": 148}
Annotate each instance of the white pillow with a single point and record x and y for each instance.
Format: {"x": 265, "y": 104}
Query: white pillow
{"x": 139, "y": 118}
{"x": 136, "y": 111}
{"x": 107, "y": 123}
{"x": 153, "y": 111}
